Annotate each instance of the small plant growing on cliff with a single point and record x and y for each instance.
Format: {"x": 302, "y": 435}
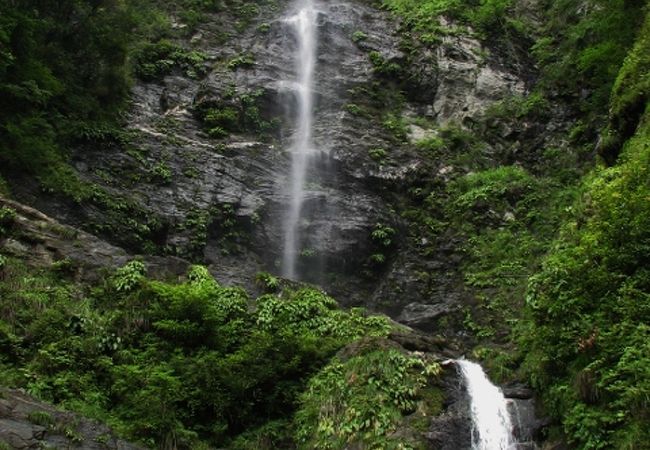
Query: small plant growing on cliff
{"x": 246, "y": 60}
{"x": 382, "y": 66}
{"x": 377, "y": 154}
{"x": 268, "y": 282}
{"x": 353, "y": 108}
{"x": 42, "y": 418}
{"x": 396, "y": 126}
{"x": 7, "y": 218}
{"x": 129, "y": 276}
{"x": 156, "y": 60}
{"x": 161, "y": 173}
{"x": 383, "y": 235}
{"x": 359, "y": 36}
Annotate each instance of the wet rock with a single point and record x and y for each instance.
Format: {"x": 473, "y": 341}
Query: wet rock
{"x": 42, "y": 241}
{"x": 222, "y": 201}
{"x": 517, "y": 391}
{"x": 452, "y": 430}
{"x": 468, "y": 81}
{"x": 26, "y": 423}
{"x": 418, "y": 314}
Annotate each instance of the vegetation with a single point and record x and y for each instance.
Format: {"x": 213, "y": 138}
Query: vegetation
{"x": 168, "y": 364}
{"x": 552, "y": 244}
{"x": 580, "y": 335}
{"x": 361, "y": 401}
{"x": 587, "y": 330}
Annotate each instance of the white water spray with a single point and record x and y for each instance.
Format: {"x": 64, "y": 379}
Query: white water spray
{"x": 492, "y": 427}
{"x": 305, "y": 27}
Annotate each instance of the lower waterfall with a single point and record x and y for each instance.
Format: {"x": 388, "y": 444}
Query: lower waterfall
{"x": 491, "y": 424}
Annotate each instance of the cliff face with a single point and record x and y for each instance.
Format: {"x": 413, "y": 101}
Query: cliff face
{"x": 200, "y": 172}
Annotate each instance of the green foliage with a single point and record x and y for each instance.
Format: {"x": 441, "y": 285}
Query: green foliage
{"x": 490, "y": 17}
{"x": 268, "y": 282}
{"x": 396, "y": 126}
{"x": 630, "y": 96}
{"x": 161, "y": 173}
{"x": 359, "y": 36}
{"x": 41, "y": 418}
{"x": 361, "y": 400}
{"x": 501, "y": 188}
{"x": 129, "y": 276}
{"x": 587, "y": 340}
{"x": 236, "y": 114}
{"x": 59, "y": 67}
{"x": 584, "y": 44}
{"x": 383, "y": 235}
{"x": 153, "y": 61}
{"x": 188, "y": 365}
{"x": 532, "y": 106}
{"x": 378, "y": 154}
{"x": 245, "y": 60}
{"x": 7, "y": 218}
{"x": 312, "y": 313}
{"x": 384, "y": 67}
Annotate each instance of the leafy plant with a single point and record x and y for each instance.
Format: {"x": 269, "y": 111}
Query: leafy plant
{"x": 129, "y": 276}
{"x": 359, "y": 401}
{"x": 7, "y": 218}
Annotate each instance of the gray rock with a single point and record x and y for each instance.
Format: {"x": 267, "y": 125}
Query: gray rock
{"x": 468, "y": 82}
{"x": 18, "y": 412}
{"x": 349, "y": 191}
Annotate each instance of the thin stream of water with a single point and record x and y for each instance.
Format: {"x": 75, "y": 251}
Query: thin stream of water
{"x": 304, "y": 25}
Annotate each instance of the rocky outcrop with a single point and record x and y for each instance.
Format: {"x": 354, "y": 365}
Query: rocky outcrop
{"x": 218, "y": 196}
{"x": 452, "y": 429}
{"x": 26, "y": 423}
{"x": 42, "y": 241}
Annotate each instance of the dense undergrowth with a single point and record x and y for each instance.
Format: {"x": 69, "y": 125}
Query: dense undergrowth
{"x": 587, "y": 332}
{"x": 568, "y": 311}
{"x": 192, "y": 364}
{"x": 195, "y": 364}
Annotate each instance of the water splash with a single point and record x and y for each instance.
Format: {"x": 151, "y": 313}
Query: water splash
{"x": 304, "y": 25}
{"x": 491, "y": 423}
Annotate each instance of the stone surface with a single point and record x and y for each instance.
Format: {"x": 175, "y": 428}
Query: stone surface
{"x": 42, "y": 241}
{"x": 452, "y": 430}
{"x": 244, "y": 174}
{"x": 57, "y": 429}
{"x": 469, "y": 81}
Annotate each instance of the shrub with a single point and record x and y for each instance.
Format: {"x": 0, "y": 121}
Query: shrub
{"x": 361, "y": 400}
{"x": 7, "y": 218}
{"x": 129, "y": 276}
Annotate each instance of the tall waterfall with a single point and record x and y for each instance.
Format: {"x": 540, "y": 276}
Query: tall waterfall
{"x": 304, "y": 25}
{"x": 491, "y": 424}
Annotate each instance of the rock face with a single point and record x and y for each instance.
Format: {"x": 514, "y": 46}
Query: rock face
{"x": 41, "y": 241}
{"x": 26, "y": 423}
{"x": 218, "y": 196}
{"x": 468, "y": 82}
{"x": 452, "y": 430}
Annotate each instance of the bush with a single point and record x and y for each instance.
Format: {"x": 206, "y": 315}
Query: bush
{"x": 586, "y": 344}
{"x": 153, "y": 61}
{"x": 361, "y": 400}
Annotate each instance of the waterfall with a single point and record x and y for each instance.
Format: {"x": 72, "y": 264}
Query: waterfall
{"x": 491, "y": 424}
{"x": 304, "y": 25}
